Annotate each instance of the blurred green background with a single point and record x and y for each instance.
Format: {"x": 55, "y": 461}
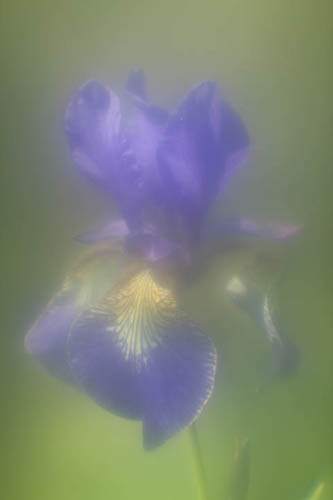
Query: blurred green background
{"x": 273, "y": 60}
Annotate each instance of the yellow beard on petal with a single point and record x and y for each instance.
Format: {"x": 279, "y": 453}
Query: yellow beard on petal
{"x": 138, "y": 313}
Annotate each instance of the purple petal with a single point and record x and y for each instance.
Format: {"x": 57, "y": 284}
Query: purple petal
{"x": 177, "y": 381}
{"x": 139, "y": 357}
{"x": 189, "y": 154}
{"x": 144, "y": 136}
{"x": 100, "y": 365}
{"x": 247, "y": 227}
{"x": 136, "y": 84}
{"x": 92, "y": 127}
{"x": 116, "y": 230}
{"x": 136, "y": 88}
{"x": 154, "y": 247}
{"x": 234, "y": 162}
{"x": 267, "y": 230}
{"x": 205, "y": 140}
{"x": 234, "y": 139}
{"x": 84, "y": 286}
{"x": 100, "y": 149}
{"x": 47, "y": 339}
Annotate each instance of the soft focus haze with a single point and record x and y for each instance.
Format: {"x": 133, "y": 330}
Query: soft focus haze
{"x": 272, "y": 59}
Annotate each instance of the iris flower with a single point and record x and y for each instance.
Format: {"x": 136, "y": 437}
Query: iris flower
{"x": 115, "y": 328}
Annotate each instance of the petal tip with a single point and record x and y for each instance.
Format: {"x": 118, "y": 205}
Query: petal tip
{"x": 136, "y": 84}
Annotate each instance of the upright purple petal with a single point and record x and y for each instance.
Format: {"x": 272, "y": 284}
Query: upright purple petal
{"x": 136, "y": 84}
{"x": 233, "y": 136}
{"x": 101, "y": 150}
{"x": 189, "y": 154}
{"x": 137, "y": 89}
{"x": 92, "y": 124}
{"x": 144, "y": 136}
{"x": 138, "y": 356}
{"x": 144, "y": 133}
{"x": 233, "y": 163}
{"x": 204, "y": 139}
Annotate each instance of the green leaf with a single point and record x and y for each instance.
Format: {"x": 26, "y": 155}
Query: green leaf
{"x": 240, "y": 473}
{"x": 316, "y": 493}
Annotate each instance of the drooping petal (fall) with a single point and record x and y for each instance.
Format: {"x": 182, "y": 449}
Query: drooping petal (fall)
{"x": 47, "y": 339}
{"x": 177, "y": 381}
{"x": 138, "y": 356}
{"x": 100, "y": 365}
{"x": 85, "y": 284}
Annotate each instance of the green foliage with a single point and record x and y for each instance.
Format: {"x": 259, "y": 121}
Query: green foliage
{"x": 316, "y": 493}
{"x": 241, "y": 471}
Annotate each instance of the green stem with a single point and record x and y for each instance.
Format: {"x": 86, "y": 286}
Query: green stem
{"x": 198, "y": 462}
